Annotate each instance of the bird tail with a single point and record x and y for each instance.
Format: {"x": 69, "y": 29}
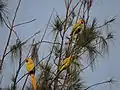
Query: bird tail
{"x": 33, "y": 79}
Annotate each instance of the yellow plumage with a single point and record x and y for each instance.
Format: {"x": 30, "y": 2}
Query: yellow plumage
{"x": 29, "y": 64}
{"x": 30, "y": 68}
{"x": 65, "y": 63}
{"x": 77, "y": 28}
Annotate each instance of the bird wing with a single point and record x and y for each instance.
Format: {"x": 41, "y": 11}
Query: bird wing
{"x": 74, "y": 27}
{"x": 30, "y": 66}
{"x": 65, "y": 63}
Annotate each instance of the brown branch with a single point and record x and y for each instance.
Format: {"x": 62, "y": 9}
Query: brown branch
{"x": 65, "y": 3}
{"x": 78, "y": 14}
{"x": 10, "y": 28}
{"x": 72, "y": 10}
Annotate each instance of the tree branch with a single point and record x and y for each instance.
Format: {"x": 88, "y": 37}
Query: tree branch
{"x": 100, "y": 83}
{"x": 10, "y": 33}
{"x": 24, "y": 23}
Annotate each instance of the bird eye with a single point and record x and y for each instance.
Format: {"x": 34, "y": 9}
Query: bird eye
{"x": 82, "y": 22}
{"x": 26, "y": 60}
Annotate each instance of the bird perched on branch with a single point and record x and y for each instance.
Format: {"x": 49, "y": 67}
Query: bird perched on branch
{"x": 31, "y": 70}
{"x": 77, "y": 28}
{"x": 65, "y": 63}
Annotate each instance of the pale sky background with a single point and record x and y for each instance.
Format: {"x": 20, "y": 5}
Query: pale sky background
{"x": 107, "y": 66}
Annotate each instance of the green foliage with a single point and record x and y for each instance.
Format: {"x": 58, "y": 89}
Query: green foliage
{"x": 57, "y": 24}
{"x": 44, "y": 77}
{"x": 15, "y": 49}
{"x": 3, "y": 11}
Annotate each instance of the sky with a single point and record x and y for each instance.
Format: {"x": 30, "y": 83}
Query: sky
{"x": 106, "y": 66}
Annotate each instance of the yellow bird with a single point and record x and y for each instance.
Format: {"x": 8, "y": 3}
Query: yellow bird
{"x": 77, "y": 28}
{"x": 31, "y": 70}
{"x": 65, "y": 63}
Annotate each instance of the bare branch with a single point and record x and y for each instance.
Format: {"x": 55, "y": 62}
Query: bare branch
{"x": 19, "y": 67}
{"x": 65, "y": 3}
{"x": 10, "y": 33}
{"x": 100, "y": 83}
{"x": 107, "y": 22}
{"x": 25, "y": 82}
{"x": 24, "y": 42}
{"x": 24, "y": 23}
{"x": 46, "y": 27}
{"x": 22, "y": 77}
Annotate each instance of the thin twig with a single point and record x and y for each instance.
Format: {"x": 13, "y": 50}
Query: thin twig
{"x": 49, "y": 42}
{"x": 78, "y": 14}
{"x": 22, "y": 77}
{"x": 24, "y": 42}
{"x": 25, "y": 82}
{"x": 46, "y": 27}
{"x": 106, "y": 23}
{"x": 100, "y": 83}
{"x": 22, "y": 63}
{"x": 10, "y": 33}
{"x": 10, "y": 29}
{"x": 45, "y": 33}
{"x": 19, "y": 67}
{"x": 72, "y": 10}
{"x": 65, "y": 3}
{"x": 24, "y": 23}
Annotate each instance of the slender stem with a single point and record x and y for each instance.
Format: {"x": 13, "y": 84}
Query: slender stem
{"x": 104, "y": 82}
{"x": 25, "y": 82}
{"x": 10, "y": 33}
{"x": 22, "y": 77}
{"x": 78, "y": 14}
{"x": 46, "y": 28}
{"x": 24, "y": 23}
{"x": 22, "y": 43}
{"x": 65, "y": 3}
{"x": 106, "y": 23}
{"x": 52, "y": 49}
{"x": 63, "y": 85}
{"x": 19, "y": 67}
